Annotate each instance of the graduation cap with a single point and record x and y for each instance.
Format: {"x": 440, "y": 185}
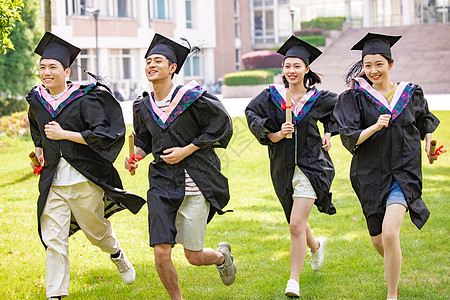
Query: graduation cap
{"x": 53, "y": 47}
{"x": 295, "y": 47}
{"x": 374, "y": 43}
{"x": 174, "y": 52}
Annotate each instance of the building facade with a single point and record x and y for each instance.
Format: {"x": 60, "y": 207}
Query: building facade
{"x": 272, "y": 21}
{"x": 123, "y": 30}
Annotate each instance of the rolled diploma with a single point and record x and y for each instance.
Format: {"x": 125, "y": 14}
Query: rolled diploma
{"x": 432, "y": 149}
{"x": 34, "y": 158}
{"x": 131, "y": 150}
{"x": 288, "y": 111}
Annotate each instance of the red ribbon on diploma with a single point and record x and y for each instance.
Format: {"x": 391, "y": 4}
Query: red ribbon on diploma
{"x": 134, "y": 158}
{"x": 38, "y": 169}
{"x": 284, "y": 106}
{"x": 439, "y": 151}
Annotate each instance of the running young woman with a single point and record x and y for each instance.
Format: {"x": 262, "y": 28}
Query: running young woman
{"x": 381, "y": 123}
{"x": 301, "y": 168}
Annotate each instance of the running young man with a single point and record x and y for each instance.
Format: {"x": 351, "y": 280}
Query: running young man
{"x": 181, "y": 126}
{"x": 78, "y": 131}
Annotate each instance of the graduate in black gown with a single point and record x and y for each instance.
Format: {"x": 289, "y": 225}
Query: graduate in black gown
{"x": 382, "y": 123}
{"x": 301, "y": 168}
{"x": 78, "y": 131}
{"x": 180, "y": 126}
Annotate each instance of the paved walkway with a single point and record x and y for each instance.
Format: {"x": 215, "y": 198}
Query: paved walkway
{"x": 236, "y": 106}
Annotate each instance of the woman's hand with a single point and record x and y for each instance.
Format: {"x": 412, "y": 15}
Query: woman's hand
{"x": 326, "y": 143}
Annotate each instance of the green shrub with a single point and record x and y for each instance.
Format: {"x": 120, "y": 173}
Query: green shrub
{"x": 326, "y": 23}
{"x": 248, "y": 77}
{"x": 15, "y": 124}
{"x": 9, "y": 106}
{"x": 315, "y": 40}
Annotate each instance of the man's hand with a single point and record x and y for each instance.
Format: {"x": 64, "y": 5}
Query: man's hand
{"x": 176, "y": 154}
{"x": 54, "y": 131}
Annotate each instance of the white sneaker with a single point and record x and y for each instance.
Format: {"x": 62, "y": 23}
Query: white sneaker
{"x": 126, "y": 269}
{"x": 292, "y": 288}
{"x": 318, "y": 257}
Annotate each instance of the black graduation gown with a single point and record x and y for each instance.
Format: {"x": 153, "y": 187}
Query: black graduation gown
{"x": 392, "y": 152}
{"x": 96, "y": 114}
{"x": 200, "y": 119}
{"x": 304, "y": 149}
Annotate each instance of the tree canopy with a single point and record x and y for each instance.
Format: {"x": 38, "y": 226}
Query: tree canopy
{"x": 9, "y": 15}
{"x": 19, "y": 68}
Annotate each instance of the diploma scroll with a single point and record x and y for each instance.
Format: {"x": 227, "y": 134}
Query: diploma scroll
{"x": 432, "y": 150}
{"x": 34, "y": 158}
{"x": 131, "y": 150}
{"x": 288, "y": 111}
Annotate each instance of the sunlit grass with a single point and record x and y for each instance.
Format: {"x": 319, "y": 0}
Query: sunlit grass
{"x": 257, "y": 231}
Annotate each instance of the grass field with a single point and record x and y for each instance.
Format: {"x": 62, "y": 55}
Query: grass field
{"x": 257, "y": 231}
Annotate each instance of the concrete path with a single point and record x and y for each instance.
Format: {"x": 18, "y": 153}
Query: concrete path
{"x": 236, "y": 106}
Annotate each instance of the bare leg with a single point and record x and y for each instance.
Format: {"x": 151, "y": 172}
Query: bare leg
{"x": 391, "y": 242}
{"x": 205, "y": 257}
{"x": 166, "y": 270}
{"x": 377, "y": 243}
{"x": 298, "y": 228}
{"x": 313, "y": 244}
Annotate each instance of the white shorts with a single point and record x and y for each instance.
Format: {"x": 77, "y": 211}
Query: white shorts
{"x": 301, "y": 185}
{"x": 190, "y": 222}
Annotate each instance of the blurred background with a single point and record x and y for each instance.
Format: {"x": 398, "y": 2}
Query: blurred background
{"x": 239, "y": 39}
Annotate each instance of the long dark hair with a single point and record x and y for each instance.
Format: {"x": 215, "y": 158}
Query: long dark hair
{"x": 357, "y": 67}
{"x": 311, "y": 78}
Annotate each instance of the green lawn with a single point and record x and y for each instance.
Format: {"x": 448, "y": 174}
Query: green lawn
{"x": 257, "y": 231}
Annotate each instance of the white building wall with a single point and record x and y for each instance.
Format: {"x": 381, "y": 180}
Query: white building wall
{"x": 202, "y": 33}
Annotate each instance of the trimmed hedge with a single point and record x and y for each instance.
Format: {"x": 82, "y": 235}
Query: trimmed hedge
{"x": 326, "y": 23}
{"x": 248, "y": 77}
{"x": 315, "y": 40}
{"x": 263, "y": 59}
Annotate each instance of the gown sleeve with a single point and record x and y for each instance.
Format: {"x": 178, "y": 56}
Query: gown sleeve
{"x": 347, "y": 114}
{"x": 142, "y": 136}
{"x": 214, "y": 122}
{"x": 426, "y": 122}
{"x": 104, "y": 120}
{"x": 259, "y": 120}
{"x": 328, "y": 102}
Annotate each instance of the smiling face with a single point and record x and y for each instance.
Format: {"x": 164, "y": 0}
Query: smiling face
{"x": 158, "y": 68}
{"x": 294, "y": 70}
{"x": 53, "y": 75}
{"x": 376, "y": 67}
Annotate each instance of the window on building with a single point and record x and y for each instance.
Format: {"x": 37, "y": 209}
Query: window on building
{"x": 120, "y": 64}
{"x": 237, "y": 25}
{"x": 188, "y": 14}
{"x": 263, "y": 23}
{"x": 108, "y": 8}
{"x": 85, "y": 60}
{"x": 161, "y": 9}
{"x": 123, "y": 10}
{"x": 192, "y": 67}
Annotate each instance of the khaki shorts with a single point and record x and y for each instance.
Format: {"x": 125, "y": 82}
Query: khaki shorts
{"x": 191, "y": 221}
{"x": 301, "y": 185}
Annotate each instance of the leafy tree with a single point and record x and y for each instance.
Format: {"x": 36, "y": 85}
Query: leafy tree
{"x": 9, "y": 14}
{"x": 19, "y": 68}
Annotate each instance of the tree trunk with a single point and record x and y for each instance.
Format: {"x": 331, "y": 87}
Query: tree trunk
{"x": 48, "y": 15}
